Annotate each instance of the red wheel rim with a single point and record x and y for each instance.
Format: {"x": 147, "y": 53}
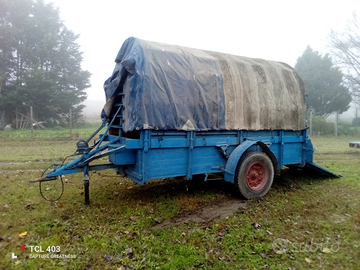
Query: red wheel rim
{"x": 257, "y": 176}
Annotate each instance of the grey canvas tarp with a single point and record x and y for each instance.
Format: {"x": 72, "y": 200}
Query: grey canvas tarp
{"x": 168, "y": 87}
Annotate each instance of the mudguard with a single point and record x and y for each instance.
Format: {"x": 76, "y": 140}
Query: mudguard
{"x": 239, "y": 151}
{"x": 234, "y": 158}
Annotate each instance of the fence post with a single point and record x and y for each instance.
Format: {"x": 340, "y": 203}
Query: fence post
{"x": 16, "y": 119}
{"x": 70, "y": 122}
{"x": 336, "y": 123}
{"x": 311, "y": 122}
{"x": 31, "y": 122}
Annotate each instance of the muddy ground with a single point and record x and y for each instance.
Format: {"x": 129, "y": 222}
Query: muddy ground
{"x": 216, "y": 210}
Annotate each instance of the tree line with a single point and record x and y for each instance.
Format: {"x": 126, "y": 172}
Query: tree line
{"x": 40, "y": 63}
{"x": 332, "y": 81}
{"x": 40, "y": 66}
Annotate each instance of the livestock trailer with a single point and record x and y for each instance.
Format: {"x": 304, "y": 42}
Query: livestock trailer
{"x": 173, "y": 111}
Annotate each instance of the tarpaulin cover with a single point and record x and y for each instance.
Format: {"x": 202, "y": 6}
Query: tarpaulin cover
{"x": 168, "y": 87}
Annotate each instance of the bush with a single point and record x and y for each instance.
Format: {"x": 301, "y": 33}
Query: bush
{"x": 322, "y": 127}
{"x": 344, "y": 129}
{"x": 356, "y": 122}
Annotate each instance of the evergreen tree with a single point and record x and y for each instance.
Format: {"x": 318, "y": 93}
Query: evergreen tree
{"x": 40, "y": 62}
{"x": 323, "y": 83}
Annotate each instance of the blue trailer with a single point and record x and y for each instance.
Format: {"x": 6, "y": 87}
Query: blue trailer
{"x": 173, "y": 111}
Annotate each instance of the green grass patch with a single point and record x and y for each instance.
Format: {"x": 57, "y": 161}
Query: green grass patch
{"x": 316, "y": 218}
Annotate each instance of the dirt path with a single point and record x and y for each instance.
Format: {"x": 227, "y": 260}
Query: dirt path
{"x": 215, "y": 211}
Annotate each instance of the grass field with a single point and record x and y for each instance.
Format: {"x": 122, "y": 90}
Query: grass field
{"x": 304, "y": 222}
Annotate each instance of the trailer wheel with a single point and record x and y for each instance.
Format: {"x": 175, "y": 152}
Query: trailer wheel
{"x": 254, "y": 175}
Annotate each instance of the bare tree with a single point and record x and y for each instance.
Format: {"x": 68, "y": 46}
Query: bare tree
{"x": 345, "y": 49}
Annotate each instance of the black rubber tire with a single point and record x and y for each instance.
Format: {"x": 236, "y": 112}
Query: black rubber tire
{"x": 254, "y": 175}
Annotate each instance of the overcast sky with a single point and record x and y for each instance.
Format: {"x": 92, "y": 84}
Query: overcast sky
{"x": 273, "y": 30}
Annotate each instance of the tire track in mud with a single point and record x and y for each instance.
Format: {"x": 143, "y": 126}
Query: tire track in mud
{"x": 19, "y": 171}
{"x": 16, "y": 170}
{"x": 217, "y": 210}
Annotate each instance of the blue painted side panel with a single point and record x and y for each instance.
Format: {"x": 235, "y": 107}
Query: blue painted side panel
{"x": 163, "y": 154}
{"x": 167, "y": 162}
{"x": 208, "y": 160}
{"x": 172, "y": 162}
{"x": 293, "y": 153}
{"x": 126, "y": 157}
{"x": 134, "y": 171}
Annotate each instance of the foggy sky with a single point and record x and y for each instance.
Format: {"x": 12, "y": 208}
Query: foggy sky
{"x": 273, "y": 30}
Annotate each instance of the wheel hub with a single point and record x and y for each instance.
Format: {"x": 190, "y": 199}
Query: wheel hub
{"x": 257, "y": 175}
